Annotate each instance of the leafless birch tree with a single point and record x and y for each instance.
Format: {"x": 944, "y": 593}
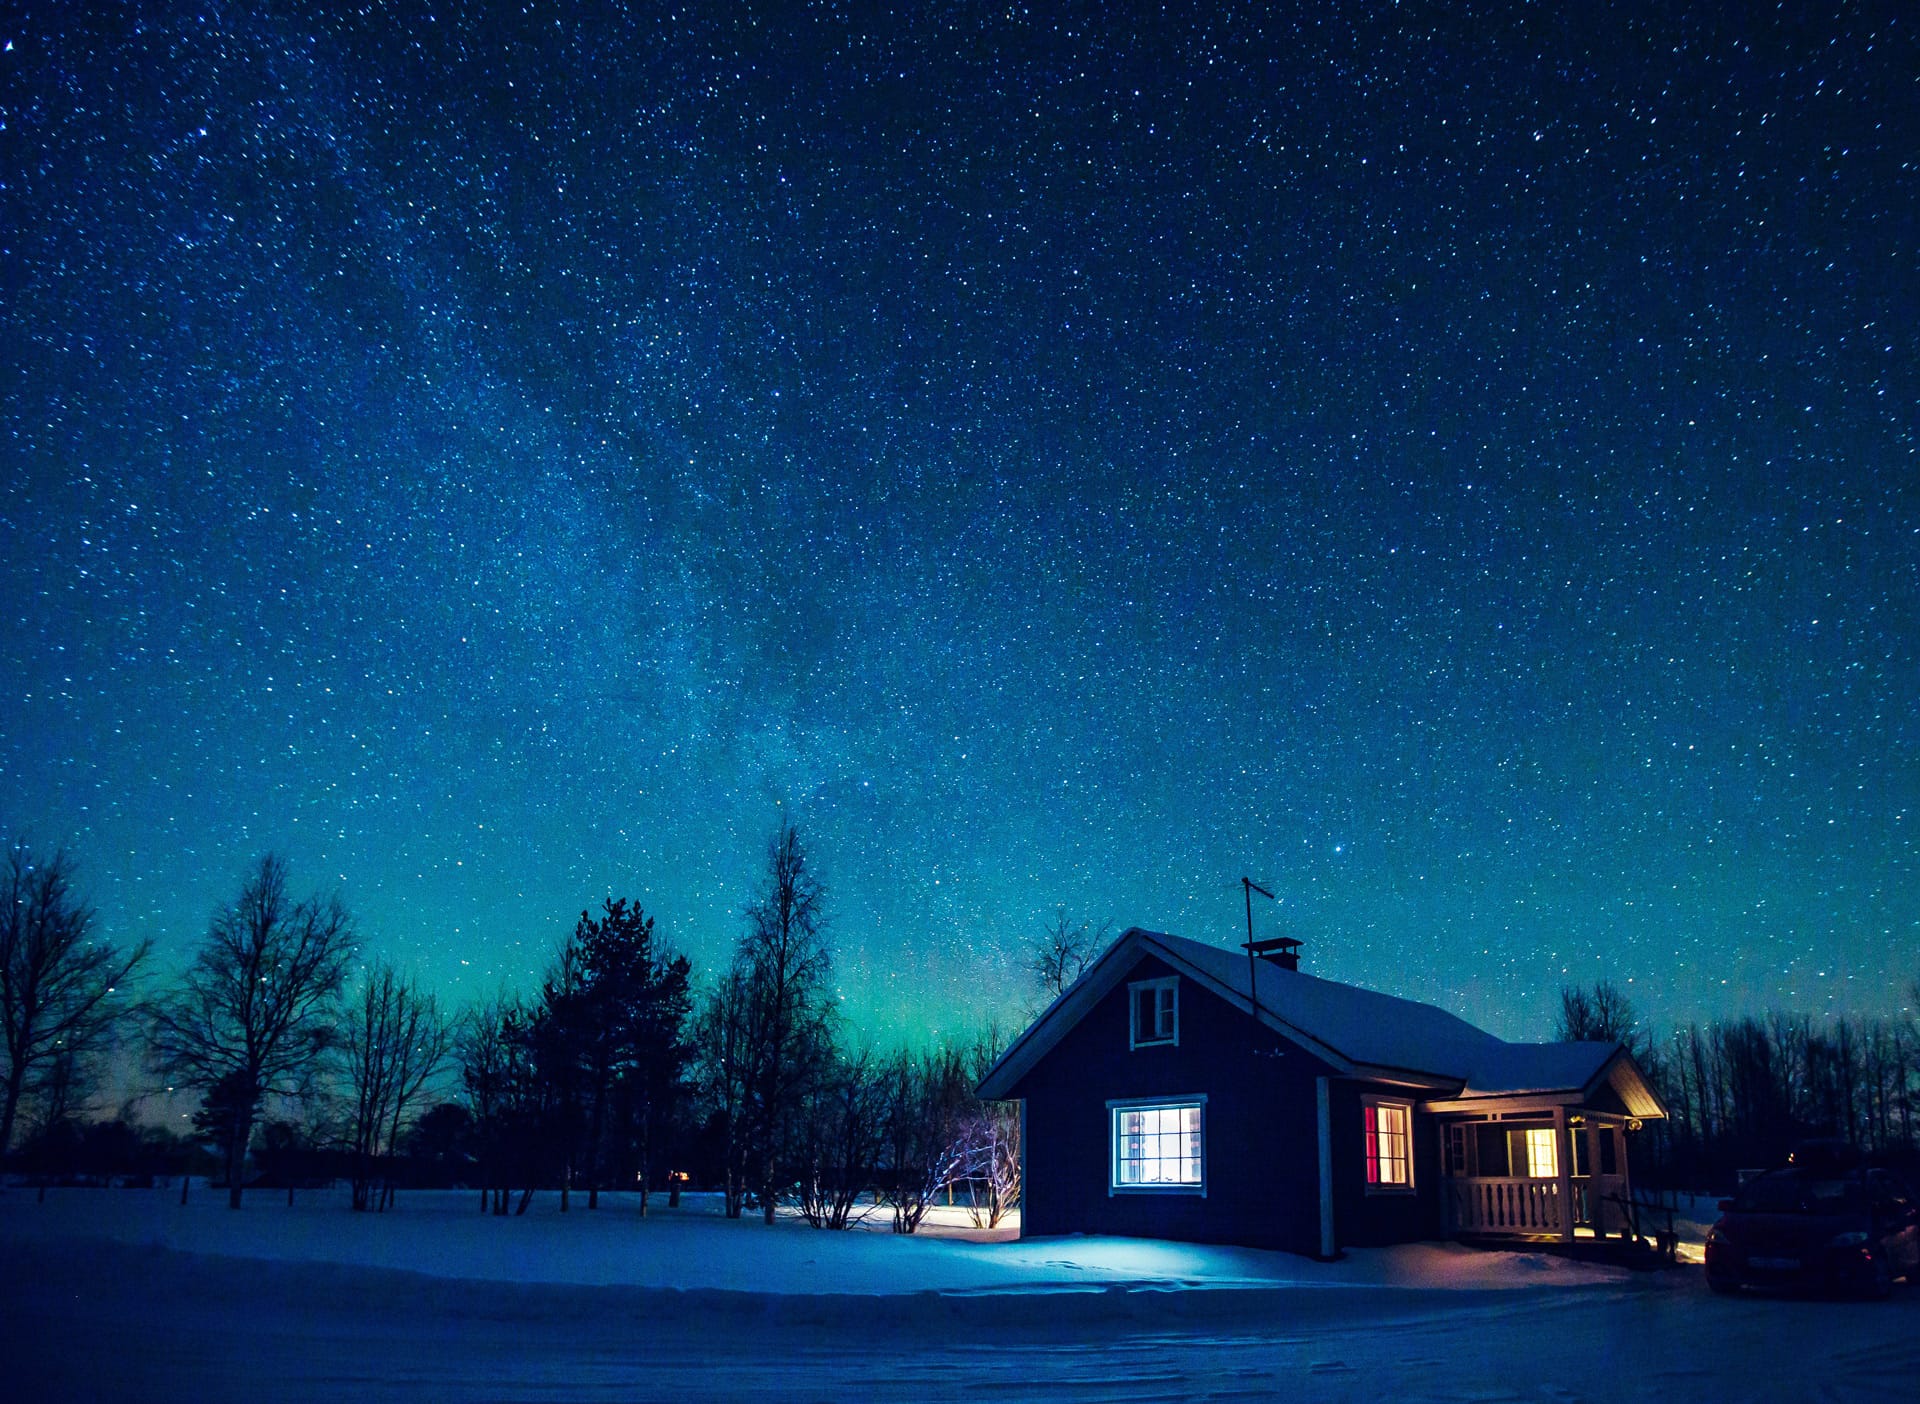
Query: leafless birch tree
{"x": 255, "y": 1010}
{"x": 766, "y": 1033}
{"x": 61, "y": 991}
{"x": 1063, "y": 953}
{"x": 393, "y": 1042}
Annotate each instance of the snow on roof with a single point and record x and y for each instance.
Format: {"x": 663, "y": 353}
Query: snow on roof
{"x": 1362, "y": 1031}
{"x": 1360, "y": 1025}
{"x": 1504, "y": 1069}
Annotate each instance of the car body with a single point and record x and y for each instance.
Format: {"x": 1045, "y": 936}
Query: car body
{"x": 1816, "y": 1227}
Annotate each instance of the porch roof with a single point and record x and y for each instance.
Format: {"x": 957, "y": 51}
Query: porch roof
{"x": 1568, "y": 1073}
{"x": 1509, "y": 1068}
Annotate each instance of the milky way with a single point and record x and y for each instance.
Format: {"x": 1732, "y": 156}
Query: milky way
{"x": 1452, "y": 463}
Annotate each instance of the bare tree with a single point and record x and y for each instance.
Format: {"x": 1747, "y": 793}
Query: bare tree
{"x": 929, "y": 1109}
{"x": 492, "y": 1060}
{"x": 767, "y": 1031}
{"x": 723, "y": 1037}
{"x": 993, "y": 1164}
{"x": 254, "y": 1011}
{"x": 59, "y": 988}
{"x": 842, "y": 1130}
{"x": 941, "y": 1135}
{"x": 993, "y": 1142}
{"x": 1063, "y": 953}
{"x": 1601, "y": 1014}
{"x": 393, "y": 1042}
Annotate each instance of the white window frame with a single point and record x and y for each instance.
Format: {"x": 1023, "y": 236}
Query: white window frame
{"x": 1369, "y": 1160}
{"x": 1170, "y": 986}
{"x": 1121, "y": 1105}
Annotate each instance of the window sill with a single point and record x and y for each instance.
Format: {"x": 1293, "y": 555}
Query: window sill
{"x": 1197, "y": 1191}
{"x": 1393, "y": 1191}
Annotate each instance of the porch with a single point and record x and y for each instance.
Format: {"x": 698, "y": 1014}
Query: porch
{"x": 1534, "y": 1175}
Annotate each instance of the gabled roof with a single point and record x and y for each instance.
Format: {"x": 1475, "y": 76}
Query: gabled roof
{"x": 1358, "y": 1032}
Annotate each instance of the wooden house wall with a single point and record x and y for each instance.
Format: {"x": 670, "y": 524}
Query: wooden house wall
{"x": 1371, "y": 1219}
{"x": 1262, "y": 1118}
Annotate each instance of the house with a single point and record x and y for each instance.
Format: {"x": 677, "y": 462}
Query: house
{"x": 1178, "y": 1090}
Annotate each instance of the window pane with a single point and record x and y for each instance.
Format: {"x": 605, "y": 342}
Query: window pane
{"x": 1389, "y": 1144}
{"x": 1154, "y": 1012}
{"x": 1541, "y": 1161}
{"x": 1157, "y": 1145}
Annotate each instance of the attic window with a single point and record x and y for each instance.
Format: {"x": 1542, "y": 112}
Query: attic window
{"x": 1155, "y": 1006}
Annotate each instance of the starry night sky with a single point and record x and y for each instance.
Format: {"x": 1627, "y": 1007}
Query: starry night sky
{"x": 1452, "y": 462}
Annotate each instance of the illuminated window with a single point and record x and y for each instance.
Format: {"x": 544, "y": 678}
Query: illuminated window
{"x": 1159, "y": 1146}
{"x": 1156, "y": 1011}
{"x": 1389, "y": 1127}
{"x": 1542, "y": 1161}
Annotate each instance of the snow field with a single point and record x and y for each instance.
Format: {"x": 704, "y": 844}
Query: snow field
{"x": 696, "y": 1249}
{"x": 111, "y": 1295}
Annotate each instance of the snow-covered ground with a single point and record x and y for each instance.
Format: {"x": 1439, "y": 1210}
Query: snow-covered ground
{"x": 127, "y": 1295}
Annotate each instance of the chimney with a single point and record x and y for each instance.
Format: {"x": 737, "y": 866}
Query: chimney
{"x": 1283, "y": 951}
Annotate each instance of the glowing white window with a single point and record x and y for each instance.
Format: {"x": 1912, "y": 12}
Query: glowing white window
{"x": 1159, "y": 1146}
{"x": 1543, "y": 1162}
{"x": 1389, "y": 1151}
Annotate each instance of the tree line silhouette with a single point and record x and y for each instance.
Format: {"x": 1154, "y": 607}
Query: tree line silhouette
{"x": 1743, "y": 1092}
{"x": 615, "y": 1074}
{"x": 619, "y": 1073}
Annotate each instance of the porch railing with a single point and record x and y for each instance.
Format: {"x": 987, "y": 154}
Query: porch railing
{"x": 1506, "y": 1205}
{"x": 1600, "y": 1203}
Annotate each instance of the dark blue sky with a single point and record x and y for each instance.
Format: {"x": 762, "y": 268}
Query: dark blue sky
{"x": 1453, "y": 462}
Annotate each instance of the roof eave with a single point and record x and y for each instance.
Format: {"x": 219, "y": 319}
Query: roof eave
{"x": 1406, "y": 1077}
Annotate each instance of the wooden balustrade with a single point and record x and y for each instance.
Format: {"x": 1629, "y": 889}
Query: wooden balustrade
{"x": 1506, "y": 1205}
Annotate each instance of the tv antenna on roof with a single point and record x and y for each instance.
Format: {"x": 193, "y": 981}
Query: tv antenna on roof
{"x": 1252, "y": 887}
{"x": 1249, "y": 887}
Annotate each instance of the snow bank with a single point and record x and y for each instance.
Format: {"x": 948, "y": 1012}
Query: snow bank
{"x": 696, "y": 1249}
{"x": 125, "y": 1295}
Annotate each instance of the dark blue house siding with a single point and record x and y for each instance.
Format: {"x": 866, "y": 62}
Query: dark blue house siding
{"x": 1262, "y": 1118}
{"x": 1370, "y": 1220}
{"x": 1262, "y": 1135}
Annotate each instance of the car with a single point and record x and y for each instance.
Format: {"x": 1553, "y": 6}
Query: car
{"x": 1816, "y": 1226}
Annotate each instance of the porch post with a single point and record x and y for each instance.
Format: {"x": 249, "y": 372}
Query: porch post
{"x": 1324, "y": 1095}
{"x": 1630, "y": 1215}
{"x": 1563, "y": 1163}
{"x": 1597, "y": 1209}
